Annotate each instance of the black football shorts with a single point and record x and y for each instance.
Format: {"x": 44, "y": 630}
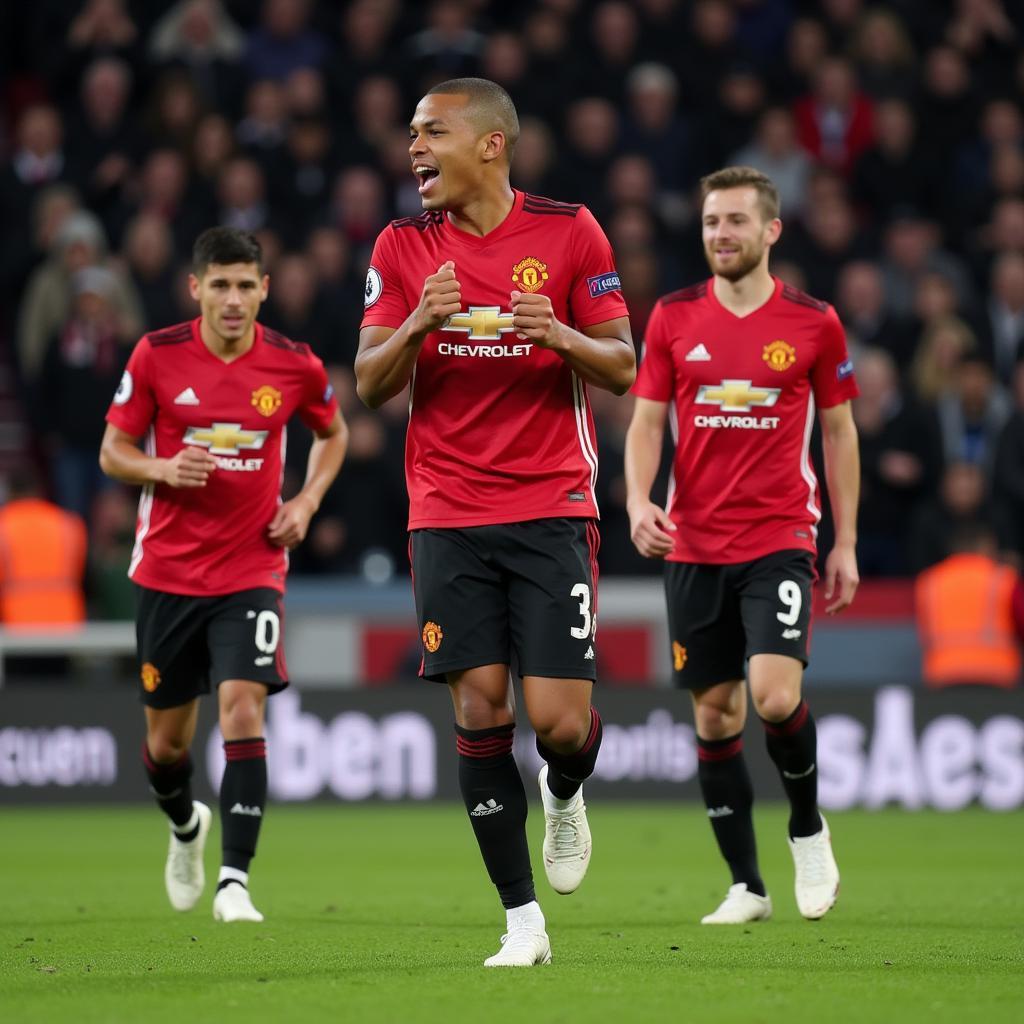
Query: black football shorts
{"x": 720, "y": 615}
{"x": 186, "y": 643}
{"x": 522, "y": 594}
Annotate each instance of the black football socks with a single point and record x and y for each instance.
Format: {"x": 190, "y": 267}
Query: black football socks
{"x": 793, "y": 746}
{"x": 729, "y": 798}
{"x": 171, "y": 784}
{"x": 243, "y": 797}
{"x": 492, "y": 789}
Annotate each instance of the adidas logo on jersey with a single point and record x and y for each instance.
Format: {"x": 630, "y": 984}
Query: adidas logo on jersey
{"x": 187, "y": 397}
{"x": 251, "y": 812}
{"x": 698, "y": 354}
{"x": 491, "y": 807}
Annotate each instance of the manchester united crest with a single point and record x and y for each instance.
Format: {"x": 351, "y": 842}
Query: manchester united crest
{"x": 267, "y": 400}
{"x": 779, "y": 355}
{"x": 678, "y": 656}
{"x": 150, "y": 677}
{"x": 530, "y": 274}
{"x": 432, "y": 636}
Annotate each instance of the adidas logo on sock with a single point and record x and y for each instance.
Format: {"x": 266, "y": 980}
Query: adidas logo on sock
{"x": 719, "y": 812}
{"x": 491, "y": 807}
{"x": 797, "y": 775}
{"x": 252, "y": 812}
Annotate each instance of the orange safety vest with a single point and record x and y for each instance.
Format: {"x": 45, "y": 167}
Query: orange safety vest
{"x": 42, "y": 561}
{"x": 965, "y": 622}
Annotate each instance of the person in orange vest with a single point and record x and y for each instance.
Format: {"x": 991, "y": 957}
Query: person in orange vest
{"x": 970, "y": 615}
{"x": 42, "y": 558}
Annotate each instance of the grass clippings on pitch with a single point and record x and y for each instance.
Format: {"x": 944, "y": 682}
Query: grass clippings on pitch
{"x": 384, "y": 914}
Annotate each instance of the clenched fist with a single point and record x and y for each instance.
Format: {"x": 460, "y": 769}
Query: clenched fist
{"x": 191, "y": 467}
{"x": 441, "y": 298}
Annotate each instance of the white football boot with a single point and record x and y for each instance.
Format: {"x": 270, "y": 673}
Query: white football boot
{"x": 525, "y": 944}
{"x": 740, "y": 906}
{"x": 817, "y": 874}
{"x": 233, "y": 903}
{"x": 183, "y": 874}
{"x": 567, "y": 843}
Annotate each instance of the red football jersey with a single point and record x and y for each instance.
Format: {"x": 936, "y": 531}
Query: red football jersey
{"x": 744, "y": 391}
{"x": 500, "y": 430}
{"x": 212, "y": 540}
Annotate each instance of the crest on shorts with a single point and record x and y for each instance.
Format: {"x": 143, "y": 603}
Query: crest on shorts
{"x": 150, "y": 677}
{"x": 678, "y": 656}
{"x": 267, "y": 400}
{"x": 779, "y": 355}
{"x": 530, "y": 274}
{"x": 432, "y": 636}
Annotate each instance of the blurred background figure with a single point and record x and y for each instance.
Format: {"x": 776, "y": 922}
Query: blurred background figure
{"x": 970, "y": 615}
{"x": 42, "y": 557}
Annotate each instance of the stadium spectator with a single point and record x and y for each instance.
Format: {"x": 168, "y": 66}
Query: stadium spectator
{"x": 148, "y": 251}
{"x": 884, "y": 56}
{"x": 946, "y": 340}
{"x": 42, "y": 558}
{"x": 963, "y": 499}
{"x": 242, "y": 196}
{"x": 972, "y": 414}
{"x": 970, "y": 615}
{"x": 80, "y": 371}
{"x": 774, "y": 151}
{"x": 900, "y": 461}
{"x": 284, "y": 41}
{"x": 1009, "y": 467}
{"x": 1004, "y": 313}
{"x": 80, "y": 243}
{"x": 860, "y": 302}
{"x": 835, "y": 122}
{"x": 201, "y": 36}
{"x": 103, "y": 135}
{"x": 614, "y": 31}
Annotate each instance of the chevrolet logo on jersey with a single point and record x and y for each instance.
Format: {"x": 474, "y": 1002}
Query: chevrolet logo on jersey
{"x": 482, "y": 323}
{"x": 736, "y": 395}
{"x": 225, "y": 438}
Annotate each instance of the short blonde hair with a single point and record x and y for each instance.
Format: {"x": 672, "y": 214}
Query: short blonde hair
{"x": 743, "y": 177}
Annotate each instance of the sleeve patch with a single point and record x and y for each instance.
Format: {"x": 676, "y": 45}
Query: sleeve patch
{"x": 124, "y": 389}
{"x": 601, "y": 284}
{"x": 374, "y": 287}
{"x": 844, "y": 369}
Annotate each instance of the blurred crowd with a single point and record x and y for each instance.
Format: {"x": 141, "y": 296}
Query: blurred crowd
{"x": 894, "y": 130}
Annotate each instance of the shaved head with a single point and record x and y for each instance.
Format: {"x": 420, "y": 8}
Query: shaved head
{"x": 488, "y": 107}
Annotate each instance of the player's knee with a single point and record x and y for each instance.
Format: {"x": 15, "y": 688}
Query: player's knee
{"x": 241, "y": 718}
{"x": 718, "y": 723}
{"x": 165, "y": 749}
{"x": 775, "y": 705}
{"x": 564, "y": 734}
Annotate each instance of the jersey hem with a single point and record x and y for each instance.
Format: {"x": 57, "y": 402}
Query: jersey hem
{"x": 433, "y": 523}
{"x": 748, "y": 556}
{"x": 183, "y": 591}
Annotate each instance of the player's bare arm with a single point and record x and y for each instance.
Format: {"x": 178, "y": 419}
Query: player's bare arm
{"x": 291, "y": 520}
{"x": 842, "y": 470}
{"x": 650, "y": 528}
{"x": 122, "y": 459}
{"x": 386, "y": 357}
{"x": 601, "y": 354}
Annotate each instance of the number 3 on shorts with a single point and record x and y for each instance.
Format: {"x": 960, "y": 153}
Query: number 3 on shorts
{"x": 582, "y": 591}
{"x": 790, "y": 596}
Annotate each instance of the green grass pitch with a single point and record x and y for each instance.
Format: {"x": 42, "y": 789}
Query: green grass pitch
{"x": 384, "y": 914}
